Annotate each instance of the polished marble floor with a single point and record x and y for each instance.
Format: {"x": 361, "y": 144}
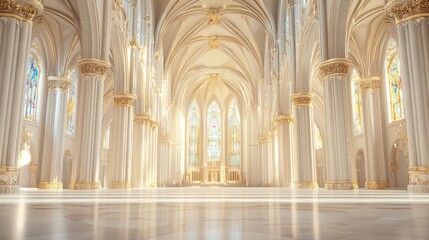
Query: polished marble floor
{"x": 214, "y": 213}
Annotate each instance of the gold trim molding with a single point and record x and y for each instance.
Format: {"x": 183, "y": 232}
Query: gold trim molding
{"x": 306, "y": 185}
{"x": 281, "y": 119}
{"x": 406, "y": 10}
{"x": 341, "y": 185}
{"x": 335, "y": 67}
{"x": 369, "y": 84}
{"x": 376, "y": 185}
{"x": 85, "y": 185}
{"x": 93, "y": 67}
{"x": 19, "y": 10}
{"x": 124, "y": 99}
{"x": 302, "y": 99}
{"x": 418, "y": 175}
{"x": 145, "y": 119}
{"x": 50, "y": 185}
{"x": 60, "y": 83}
{"x": 119, "y": 185}
{"x": 8, "y": 178}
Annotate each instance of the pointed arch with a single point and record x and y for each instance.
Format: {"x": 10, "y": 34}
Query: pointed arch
{"x": 214, "y": 132}
{"x": 194, "y": 134}
{"x": 234, "y": 134}
{"x": 71, "y": 103}
{"x": 393, "y": 81}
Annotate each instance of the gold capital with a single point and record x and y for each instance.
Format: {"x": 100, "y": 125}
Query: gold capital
{"x": 405, "y": 10}
{"x": 302, "y": 99}
{"x": 124, "y": 99}
{"x": 335, "y": 67}
{"x": 93, "y": 67}
{"x": 21, "y": 11}
{"x": 369, "y": 83}
{"x": 61, "y": 83}
{"x": 281, "y": 119}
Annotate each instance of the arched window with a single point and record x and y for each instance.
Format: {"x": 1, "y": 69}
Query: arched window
{"x": 32, "y": 84}
{"x": 318, "y": 143}
{"x": 71, "y": 104}
{"x": 106, "y": 139}
{"x": 234, "y": 131}
{"x": 214, "y": 132}
{"x": 194, "y": 133}
{"x": 356, "y": 101}
{"x": 393, "y": 80}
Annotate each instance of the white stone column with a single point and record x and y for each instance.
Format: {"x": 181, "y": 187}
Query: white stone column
{"x": 88, "y": 137}
{"x": 339, "y": 163}
{"x": 305, "y": 161}
{"x": 55, "y": 130}
{"x": 283, "y": 125}
{"x": 375, "y": 166}
{"x": 15, "y": 39}
{"x": 412, "y": 19}
{"x": 121, "y": 147}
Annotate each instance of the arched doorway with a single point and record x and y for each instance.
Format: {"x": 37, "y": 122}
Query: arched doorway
{"x": 398, "y": 167}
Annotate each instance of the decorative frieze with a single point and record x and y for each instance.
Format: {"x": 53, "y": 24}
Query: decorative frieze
{"x": 405, "y": 10}
{"x": 119, "y": 185}
{"x": 60, "y": 83}
{"x": 50, "y": 185}
{"x": 369, "y": 84}
{"x": 418, "y": 175}
{"x": 145, "y": 119}
{"x": 85, "y": 185}
{"x": 93, "y": 67}
{"x": 19, "y": 10}
{"x": 9, "y": 179}
{"x": 282, "y": 119}
{"x": 306, "y": 185}
{"x": 124, "y": 99}
{"x": 302, "y": 99}
{"x": 335, "y": 67}
{"x": 376, "y": 185}
{"x": 341, "y": 185}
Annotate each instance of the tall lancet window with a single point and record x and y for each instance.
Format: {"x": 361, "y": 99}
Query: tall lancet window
{"x": 71, "y": 104}
{"x": 234, "y": 131}
{"x": 32, "y": 84}
{"x": 393, "y": 80}
{"x": 357, "y": 102}
{"x": 214, "y": 131}
{"x": 318, "y": 142}
{"x": 194, "y": 134}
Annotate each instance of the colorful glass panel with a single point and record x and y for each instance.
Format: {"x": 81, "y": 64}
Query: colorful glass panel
{"x": 394, "y": 87}
{"x": 357, "y": 102}
{"x": 193, "y": 133}
{"x": 71, "y": 104}
{"x": 214, "y": 133}
{"x": 234, "y": 134}
{"x": 32, "y": 84}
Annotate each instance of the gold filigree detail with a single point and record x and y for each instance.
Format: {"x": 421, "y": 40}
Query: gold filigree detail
{"x": 145, "y": 119}
{"x": 335, "y": 67}
{"x": 50, "y": 185}
{"x": 306, "y": 185}
{"x": 341, "y": 185}
{"x": 408, "y": 10}
{"x": 93, "y": 67}
{"x": 9, "y": 179}
{"x": 302, "y": 99}
{"x": 60, "y": 83}
{"x": 119, "y": 185}
{"x": 20, "y": 11}
{"x": 163, "y": 139}
{"x": 134, "y": 42}
{"x": 281, "y": 119}
{"x": 369, "y": 84}
{"x": 214, "y": 77}
{"x": 376, "y": 185}
{"x": 124, "y": 99}
{"x": 418, "y": 175}
{"x": 213, "y": 42}
{"x": 214, "y": 16}
{"x": 85, "y": 185}
{"x": 147, "y": 19}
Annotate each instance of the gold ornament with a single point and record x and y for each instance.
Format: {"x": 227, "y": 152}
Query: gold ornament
{"x": 306, "y": 185}
{"x": 124, "y": 99}
{"x": 408, "y": 10}
{"x": 145, "y": 119}
{"x": 214, "y": 76}
{"x": 369, "y": 84}
{"x": 281, "y": 119}
{"x": 119, "y": 185}
{"x": 213, "y": 42}
{"x": 214, "y": 16}
{"x": 335, "y": 67}
{"x": 85, "y": 185}
{"x": 376, "y": 185}
{"x": 418, "y": 175}
{"x": 60, "y": 83}
{"x": 50, "y": 185}
{"x": 134, "y": 42}
{"x": 20, "y": 11}
{"x": 93, "y": 67}
{"x": 302, "y": 99}
{"x": 341, "y": 185}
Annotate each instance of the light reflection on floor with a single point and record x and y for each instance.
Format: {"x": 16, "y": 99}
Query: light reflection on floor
{"x": 214, "y": 213}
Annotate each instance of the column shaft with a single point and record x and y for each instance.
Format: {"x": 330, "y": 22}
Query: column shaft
{"x": 283, "y": 125}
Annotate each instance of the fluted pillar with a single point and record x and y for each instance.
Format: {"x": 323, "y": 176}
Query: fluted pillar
{"x": 15, "y": 39}
{"x": 88, "y": 137}
{"x": 373, "y": 133}
{"x": 121, "y": 147}
{"x": 412, "y": 20}
{"x": 55, "y": 130}
{"x": 305, "y": 161}
{"x": 339, "y": 163}
{"x": 283, "y": 124}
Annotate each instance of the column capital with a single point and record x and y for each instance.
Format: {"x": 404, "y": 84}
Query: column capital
{"x": 93, "y": 67}
{"x": 280, "y": 119}
{"x": 145, "y": 119}
{"x": 405, "y": 10}
{"x": 302, "y": 99}
{"x": 124, "y": 99}
{"x": 60, "y": 83}
{"x": 367, "y": 84}
{"x": 335, "y": 67}
{"x": 9, "y": 179}
{"x": 22, "y": 10}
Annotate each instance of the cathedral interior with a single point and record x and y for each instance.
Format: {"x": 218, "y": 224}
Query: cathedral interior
{"x": 208, "y": 119}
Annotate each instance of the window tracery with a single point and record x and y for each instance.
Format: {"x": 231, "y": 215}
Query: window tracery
{"x": 394, "y": 83}
{"x": 214, "y": 131}
{"x": 234, "y": 134}
{"x": 32, "y": 83}
{"x": 71, "y": 104}
{"x": 193, "y": 133}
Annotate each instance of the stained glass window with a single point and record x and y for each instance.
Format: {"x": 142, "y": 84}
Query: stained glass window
{"x": 71, "y": 104}
{"x": 213, "y": 132}
{"x": 318, "y": 143}
{"x": 234, "y": 134}
{"x": 393, "y": 80}
{"x": 356, "y": 101}
{"x": 193, "y": 133}
{"x": 32, "y": 84}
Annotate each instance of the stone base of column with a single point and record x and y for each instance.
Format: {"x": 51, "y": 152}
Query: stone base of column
{"x": 419, "y": 179}
{"x": 9, "y": 179}
{"x": 341, "y": 185}
{"x": 376, "y": 185}
{"x": 50, "y": 185}
{"x": 85, "y": 185}
{"x": 306, "y": 185}
{"x": 119, "y": 185}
